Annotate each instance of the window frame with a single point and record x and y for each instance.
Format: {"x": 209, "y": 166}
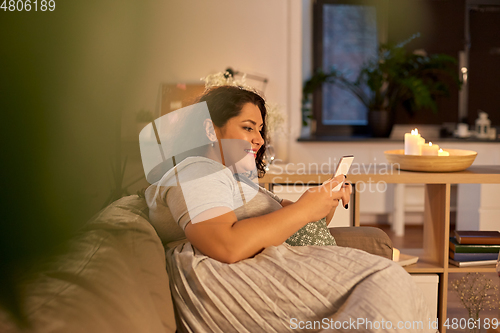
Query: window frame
{"x": 317, "y": 100}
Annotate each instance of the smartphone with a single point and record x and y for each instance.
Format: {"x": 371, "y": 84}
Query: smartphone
{"x": 342, "y": 169}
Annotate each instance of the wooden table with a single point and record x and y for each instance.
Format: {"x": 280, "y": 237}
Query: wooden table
{"x": 433, "y": 257}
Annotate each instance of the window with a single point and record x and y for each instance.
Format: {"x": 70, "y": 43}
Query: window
{"x": 345, "y": 36}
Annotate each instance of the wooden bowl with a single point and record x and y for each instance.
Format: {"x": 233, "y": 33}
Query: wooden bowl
{"x": 457, "y": 161}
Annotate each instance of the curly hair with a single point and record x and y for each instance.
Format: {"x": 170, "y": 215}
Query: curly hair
{"x": 226, "y": 102}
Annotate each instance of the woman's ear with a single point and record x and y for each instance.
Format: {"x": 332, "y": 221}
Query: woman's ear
{"x": 209, "y": 130}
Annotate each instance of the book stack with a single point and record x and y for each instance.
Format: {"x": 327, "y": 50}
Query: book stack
{"x": 474, "y": 248}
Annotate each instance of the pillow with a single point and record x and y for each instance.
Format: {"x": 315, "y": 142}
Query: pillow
{"x": 314, "y": 233}
{"x": 370, "y": 239}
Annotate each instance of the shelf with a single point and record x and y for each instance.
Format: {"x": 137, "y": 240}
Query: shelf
{"x": 481, "y": 269}
{"x": 423, "y": 265}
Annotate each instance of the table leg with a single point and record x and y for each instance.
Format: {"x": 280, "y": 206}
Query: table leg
{"x": 355, "y": 206}
{"x": 443, "y": 301}
{"x": 436, "y": 235}
{"x": 398, "y": 216}
{"x": 437, "y": 222}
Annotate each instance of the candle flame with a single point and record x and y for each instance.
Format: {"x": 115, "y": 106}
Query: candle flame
{"x": 430, "y": 144}
{"x": 414, "y": 132}
{"x": 440, "y": 150}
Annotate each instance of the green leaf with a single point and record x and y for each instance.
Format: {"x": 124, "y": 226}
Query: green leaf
{"x": 395, "y": 77}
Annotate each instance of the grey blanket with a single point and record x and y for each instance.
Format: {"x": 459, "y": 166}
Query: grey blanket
{"x": 294, "y": 289}
{"x": 283, "y": 288}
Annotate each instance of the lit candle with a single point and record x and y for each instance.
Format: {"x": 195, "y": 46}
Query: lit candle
{"x": 413, "y": 143}
{"x": 441, "y": 152}
{"x": 395, "y": 254}
{"x": 430, "y": 149}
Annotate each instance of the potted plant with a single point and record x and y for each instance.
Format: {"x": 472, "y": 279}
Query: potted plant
{"x": 395, "y": 77}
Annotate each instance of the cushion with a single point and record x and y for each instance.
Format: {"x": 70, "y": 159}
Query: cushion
{"x": 314, "y": 233}
{"x": 111, "y": 279}
{"x": 370, "y": 239}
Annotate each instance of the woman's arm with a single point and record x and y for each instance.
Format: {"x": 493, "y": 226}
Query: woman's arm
{"x": 228, "y": 240}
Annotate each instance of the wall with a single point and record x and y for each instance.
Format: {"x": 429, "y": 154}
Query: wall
{"x": 193, "y": 38}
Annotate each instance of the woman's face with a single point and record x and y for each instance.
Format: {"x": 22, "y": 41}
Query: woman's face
{"x": 246, "y": 129}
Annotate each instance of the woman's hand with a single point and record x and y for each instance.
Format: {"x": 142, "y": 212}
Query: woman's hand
{"x": 345, "y": 201}
{"x": 317, "y": 202}
{"x": 347, "y": 191}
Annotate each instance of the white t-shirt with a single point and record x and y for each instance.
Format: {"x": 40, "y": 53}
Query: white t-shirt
{"x": 198, "y": 184}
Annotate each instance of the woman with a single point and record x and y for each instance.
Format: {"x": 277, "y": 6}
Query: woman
{"x": 235, "y": 274}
